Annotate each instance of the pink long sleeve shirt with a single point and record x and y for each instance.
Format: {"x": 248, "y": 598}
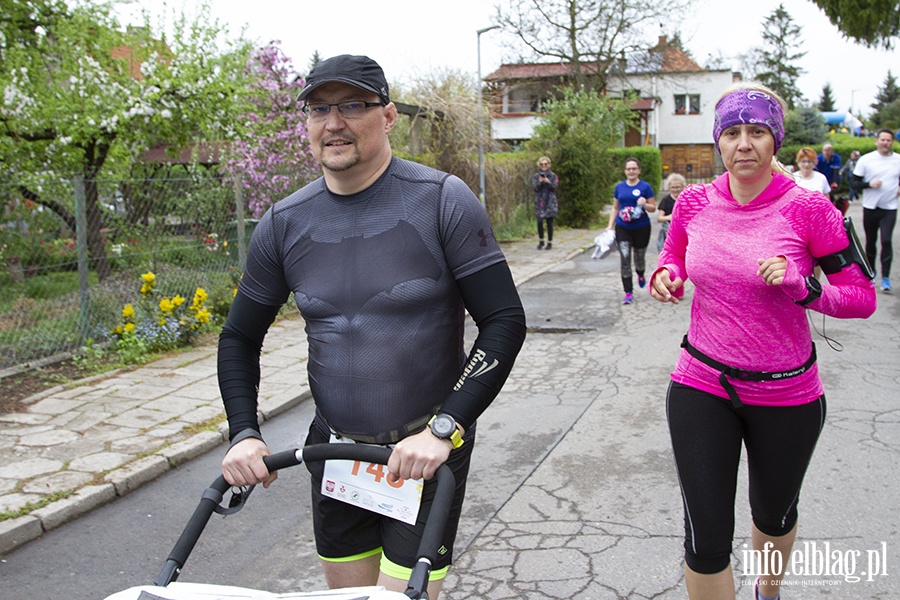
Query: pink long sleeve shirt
{"x": 735, "y": 317}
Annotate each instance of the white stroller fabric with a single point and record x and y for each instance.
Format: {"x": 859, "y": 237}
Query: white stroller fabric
{"x": 604, "y": 244}
{"x": 202, "y": 591}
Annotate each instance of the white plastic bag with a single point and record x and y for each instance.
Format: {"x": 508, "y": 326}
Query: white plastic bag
{"x": 604, "y": 244}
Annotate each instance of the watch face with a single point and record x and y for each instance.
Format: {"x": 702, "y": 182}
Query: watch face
{"x": 443, "y": 426}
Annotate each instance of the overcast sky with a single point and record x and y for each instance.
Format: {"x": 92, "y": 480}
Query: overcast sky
{"x": 415, "y": 38}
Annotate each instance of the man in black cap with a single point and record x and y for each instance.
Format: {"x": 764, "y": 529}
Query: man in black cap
{"x": 383, "y": 256}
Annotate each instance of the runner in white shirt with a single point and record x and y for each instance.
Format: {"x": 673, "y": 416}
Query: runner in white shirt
{"x": 877, "y": 174}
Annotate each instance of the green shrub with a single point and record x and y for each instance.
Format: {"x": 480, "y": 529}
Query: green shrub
{"x": 518, "y": 225}
{"x": 577, "y": 131}
{"x": 651, "y": 166}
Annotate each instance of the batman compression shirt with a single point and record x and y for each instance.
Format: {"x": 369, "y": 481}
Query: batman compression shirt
{"x": 374, "y": 275}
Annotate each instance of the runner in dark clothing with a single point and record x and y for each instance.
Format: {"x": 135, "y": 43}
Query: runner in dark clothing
{"x": 383, "y": 257}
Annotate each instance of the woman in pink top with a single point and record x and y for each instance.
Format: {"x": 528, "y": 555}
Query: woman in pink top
{"x": 747, "y": 372}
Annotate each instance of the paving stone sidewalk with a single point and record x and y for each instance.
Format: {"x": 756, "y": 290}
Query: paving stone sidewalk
{"x": 106, "y": 436}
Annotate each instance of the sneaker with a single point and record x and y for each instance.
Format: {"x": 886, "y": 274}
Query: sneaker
{"x": 629, "y": 298}
{"x": 549, "y": 245}
{"x": 756, "y": 591}
{"x": 886, "y": 285}
{"x": 540, "y": 244}
{"x": 641, "y": 281}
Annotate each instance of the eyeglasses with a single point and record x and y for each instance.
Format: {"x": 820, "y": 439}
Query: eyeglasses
{"x": 806, "y": 162}
{"x": 349, "y": 110}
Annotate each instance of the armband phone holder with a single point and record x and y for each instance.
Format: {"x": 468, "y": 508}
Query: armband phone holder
{"x": 853, "y": 253}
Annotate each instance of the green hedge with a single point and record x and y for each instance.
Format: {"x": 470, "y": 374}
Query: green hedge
{"x": 508, "y": 180}
{"x": 843, "y": 145}
{"x": 651, "y": 165}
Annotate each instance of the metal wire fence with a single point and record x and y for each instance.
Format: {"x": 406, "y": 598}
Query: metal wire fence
{"x": 73, "y": 253}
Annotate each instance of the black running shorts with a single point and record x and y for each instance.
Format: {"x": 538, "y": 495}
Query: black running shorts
{"x": 343, "y": 531}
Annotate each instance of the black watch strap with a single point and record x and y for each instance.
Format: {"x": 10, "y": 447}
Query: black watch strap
{"x": 814, "y": 290}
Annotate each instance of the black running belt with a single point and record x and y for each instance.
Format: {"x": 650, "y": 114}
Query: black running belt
{"x": 745, "y": 374}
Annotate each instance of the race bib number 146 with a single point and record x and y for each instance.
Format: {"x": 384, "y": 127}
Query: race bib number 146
{"x": 366, "y": 485}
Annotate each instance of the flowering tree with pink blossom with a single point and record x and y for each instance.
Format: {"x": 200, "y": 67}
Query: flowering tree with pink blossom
{"x": 273, "y": 156}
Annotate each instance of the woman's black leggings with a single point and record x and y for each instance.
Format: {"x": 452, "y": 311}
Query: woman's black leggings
{"x": 540, "y": 224}
{"x": 632, "y": 242}
{"x": 707, "y": 432}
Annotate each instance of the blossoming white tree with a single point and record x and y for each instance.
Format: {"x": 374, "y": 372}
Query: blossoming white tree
{"x": 82, "y": 95}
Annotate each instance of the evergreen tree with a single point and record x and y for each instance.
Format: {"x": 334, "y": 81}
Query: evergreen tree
{"x": 826, "y": 102}
{"x": 779, "y": 56}
{"x": 315, "y": 59}
{"x": 804, "y": 126}
{"x": 677, "y": 42}
{"x": 868, "y": 22}
{"x": 889, "y": 116}
{"x": 887, "y": 95}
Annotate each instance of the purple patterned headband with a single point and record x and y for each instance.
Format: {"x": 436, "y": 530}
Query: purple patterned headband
{"x": 749, "y": 106}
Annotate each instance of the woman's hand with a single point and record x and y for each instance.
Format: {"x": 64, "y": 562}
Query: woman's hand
{"x": 663, "y": 288}
{"x": 772, "y": 270}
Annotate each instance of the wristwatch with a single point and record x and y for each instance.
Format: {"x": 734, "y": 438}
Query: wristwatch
{"x": 814, "y": 289}
{"x": 444, "y": 426}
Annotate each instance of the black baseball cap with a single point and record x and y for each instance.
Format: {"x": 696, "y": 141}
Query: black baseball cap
{"x": 361, "y": 71}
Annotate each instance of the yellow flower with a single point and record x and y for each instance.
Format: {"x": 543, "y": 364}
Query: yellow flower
{"x": 128, "y": 311}
{"x": 129, "y": 327}
{"x": 162, "y": 322}
{"x": 200, "y": 296}
{"x": 177, "y": 300}
{"x": 166, "y": 305}
{"x": 146, "y": 289}
{"x": 120, "y": 330}
{"x": 203, "y": 316}
{"x": 149, "y": 277}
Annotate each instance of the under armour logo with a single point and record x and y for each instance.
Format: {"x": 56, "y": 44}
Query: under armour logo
{"x": 485, "y": 236}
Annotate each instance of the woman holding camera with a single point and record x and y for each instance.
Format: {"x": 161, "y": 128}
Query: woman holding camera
{"x": 546, "y": 205}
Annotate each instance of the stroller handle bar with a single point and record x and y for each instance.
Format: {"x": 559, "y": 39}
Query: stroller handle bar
{"x": 213, "y": 495}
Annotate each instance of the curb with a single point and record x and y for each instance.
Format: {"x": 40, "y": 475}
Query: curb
{"x": 126, "y": 479}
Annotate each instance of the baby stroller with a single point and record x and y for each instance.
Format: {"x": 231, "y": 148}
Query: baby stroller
{"x": 165, "y": 586}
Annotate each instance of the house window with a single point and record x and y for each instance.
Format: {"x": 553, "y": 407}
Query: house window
{"x": 687, "y": 104}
